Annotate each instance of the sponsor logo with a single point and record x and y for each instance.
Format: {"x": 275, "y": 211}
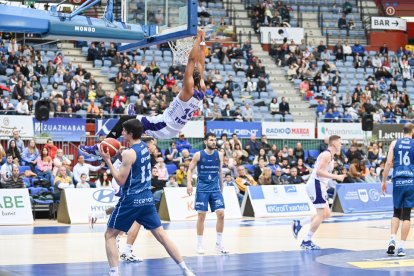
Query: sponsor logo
{"x": 288, "y": 130}
{"x": 290, "y": 189}
{"x": 143, "y": 201}
{"x": 340, "y": 132}
{"x": 391, "y": 135}
{"x": 104, "y": 196}
{"x": 85, "y": 29}
{"x": 374, "y": 195}
{"x": 363, "y": 195}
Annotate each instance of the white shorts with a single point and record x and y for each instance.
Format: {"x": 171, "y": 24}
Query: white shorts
{"x": 317, "y": 193}
{"x": 172, "y": 121}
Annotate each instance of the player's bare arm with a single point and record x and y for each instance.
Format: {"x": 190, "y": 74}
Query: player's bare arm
{"x": 388, "y": 166}
{"x": 221, "y": 172}
{"x": 191, "y": 167}
{"x": 325, "y": 159}
{"x": 121, "y": 175}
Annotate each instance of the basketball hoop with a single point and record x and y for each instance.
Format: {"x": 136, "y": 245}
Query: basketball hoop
{"x": 181, "y": 49}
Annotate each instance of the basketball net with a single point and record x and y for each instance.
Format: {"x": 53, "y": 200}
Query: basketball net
{"x": 181, "y": 49}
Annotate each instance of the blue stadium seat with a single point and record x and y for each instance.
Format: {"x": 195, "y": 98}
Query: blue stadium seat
{"x": 171, "y": 168}
{"x": 314, "y": 153}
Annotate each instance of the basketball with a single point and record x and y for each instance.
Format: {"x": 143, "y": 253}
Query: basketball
{"x": 111, "y": 146}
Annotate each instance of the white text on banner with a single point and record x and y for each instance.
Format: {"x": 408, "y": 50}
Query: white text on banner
{"x": 345, "y": 130}
{"x": 277, "y": 201}
{"x": 24, "y": 124}
{"x": 288, "y": 130}
{"x": 194, "y": 129}
{"x": 81, "y": 202}
{"x": 178, "y": 205}
{"x": 15, "y": 207}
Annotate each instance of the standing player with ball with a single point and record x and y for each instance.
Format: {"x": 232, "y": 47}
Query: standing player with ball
{"x": 170, "y": 123}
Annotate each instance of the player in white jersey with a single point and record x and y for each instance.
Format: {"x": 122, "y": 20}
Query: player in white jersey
{"x": 316, "y": 187}
{"x": 170, "y": 123}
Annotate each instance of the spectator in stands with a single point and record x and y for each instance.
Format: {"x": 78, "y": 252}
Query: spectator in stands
{"x": 83, "y": 183}
{"x": 278, "y": 178}
{"x": 62, "y": 181}
{"x": 30, "y": 155}
{"x": 294, "y": 177}
{"x": 254, "y": 145}
{"x": 6, "y": 169}
{"x": 261, "y": 155}
{"x": 118, "y": 102}
{"x": 17, "y": 139}
{"x": 247, "y": 113}
{"x": 228, "y": 181}
{"x": 343, "y": 24}
{"x": 84, "y": 168}
{"x": 285, "y": 166}
{"x": 172, "y": 154}
{"x": 162, "y": 169}
{"x": 13, "y": 46}
{"x": 59, "y": 161}
{"x": 303, "y": 169}
{"x": 43, "y": 167}
{"x": 353, "y": 153}
{"x": 182, "y": 143}
{"x": 22, "y": 108}
{"x": 202, "y": 11}
{"x": 235, "y": 141}
{"x": 13, "y": 150}
{"x": 224, "y": 101}
{"x": 298, "y": 152}
{"x": 358, "y": 49}
{"x": 274, "y": 107}
{"x": 238, "y": 66}
{"x": 372, "y": 177}
{"x": 181, "y": 175}
{"x": 284, "y": 107}
{"x": 266, "y": 178}
{"x": 52, "y": 149}
{"x": 355, "y": 174}
{"x": 244, "y": 179}
{"x": 258, "y": 169}
{"x": 92, "y": 52}
{"x": 347, "y": 7}
{"x": 15, "y": 181}
{"x": 347, "y": 49}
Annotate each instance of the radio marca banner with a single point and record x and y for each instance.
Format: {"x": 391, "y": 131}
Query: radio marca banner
{"x": 24, "y": 124}
{"x": 345, "y": 130}
{"x": 362, "y": 197}
{"x": 62, "y": 129}
{"x": 15, "y": 207}
{"x": 176, "y": 204}
{"x": 242, "y": 129}
{"x": 288, "y": 130}
{"x": 77, "y": 204}
{"x": 277, "y": 201}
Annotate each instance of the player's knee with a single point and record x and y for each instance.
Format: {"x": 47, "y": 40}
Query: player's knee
{"x": 406, "y": 214}
{"x": 220, "y": 214}
{"x": 397, "y": 213}
{"x": 201, "y": 216}
{"x": 109, "y": 234}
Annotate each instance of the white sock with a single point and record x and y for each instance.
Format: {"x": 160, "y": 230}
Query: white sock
{"x": 309, "y": 236}
{"x": 113, "y": 271}
{"x": 393, "y": 237}
{"x": 219, "y": 238}
{"x": 128, "y": 249}
{"x": 305, "y": 221}
{"x": 402, "y": 244}
{"x": 183, "y": 265}
{"x": 199, "y": 241}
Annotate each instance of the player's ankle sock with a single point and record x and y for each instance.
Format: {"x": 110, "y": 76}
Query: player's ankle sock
{"x": 393, "y": 237}
{"x": 306, "y": 220}
{"x": 309, "y": 236}
{"x": 219, "y": 238}
{"x": 199, "y": 241}
{"x": 128, "y": 249}
{"x": 402, "y": 244}
{"x": 113, "y": 271}
{"x": 183, "y": 265}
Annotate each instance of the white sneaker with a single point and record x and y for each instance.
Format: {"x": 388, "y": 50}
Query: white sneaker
{"x": 130, "y": 258}
{"x": 188, "y": 272}
{"x": 200, "y": 249}
{"x": 221, "y": 249}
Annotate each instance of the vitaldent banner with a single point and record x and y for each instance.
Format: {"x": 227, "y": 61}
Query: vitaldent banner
{"x": 345, "y": 130}
{"x": 15, "y": 207}
{"x": 288, "y": 130}
{"x": 242, "y": 129}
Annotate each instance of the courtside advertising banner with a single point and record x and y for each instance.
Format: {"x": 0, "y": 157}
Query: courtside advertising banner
{"x": 180, "y": 206}
{"x": 24, "y": 124}
{"x": 242, "y": 129}
{"x": 15, "y": 207}
{"x": 288, "y": 130}
{"x": 62, "y": 129}
{"x": 388, "y": 132}
{"x": 363, "y": 197}
{"x": 103, "y": 127}
{"x": 194, "y": 129}
{"x": 277, "y": 201}
{"x": 82, "y": 202}
{"x": 268, "y": 35}
{"x": 345, "y": 130}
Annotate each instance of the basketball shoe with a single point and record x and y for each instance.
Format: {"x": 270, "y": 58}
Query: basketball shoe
{"x": 391, "y": 248}
{"x": 309, "y": 245}
{"x": 296, "y": 228}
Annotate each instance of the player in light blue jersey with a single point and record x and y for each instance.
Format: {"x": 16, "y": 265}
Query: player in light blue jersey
{"x": 209, "y": 189}
{"x": 401, "y": 158}
{"x": 136, "y": 202}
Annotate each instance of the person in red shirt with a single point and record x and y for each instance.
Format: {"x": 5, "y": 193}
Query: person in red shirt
{"x": 52, "y": 149}
{"x": 118, "y": 102}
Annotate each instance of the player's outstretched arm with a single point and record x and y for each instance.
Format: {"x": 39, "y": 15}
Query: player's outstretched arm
{"x": 388, "y": 165}
{"x": 201, "y": 61}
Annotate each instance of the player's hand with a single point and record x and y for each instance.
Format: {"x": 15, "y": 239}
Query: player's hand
{"x": 189, "y": 190}
{"x": 105, "y": 154}
{"x": 340, "y": 177}
{"x": 384, "y": 187}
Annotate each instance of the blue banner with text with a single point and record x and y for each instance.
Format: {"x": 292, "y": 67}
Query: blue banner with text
{"x": 242, "y": 129}
{"x": 62, "y": 129}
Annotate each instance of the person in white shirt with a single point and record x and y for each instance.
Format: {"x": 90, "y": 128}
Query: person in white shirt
{"x": 225, "y": 101}
{"x": 6, "y": 169}
{"x": 247, "y": 113}
{"x": 83, "y": 184}
{"x": 22, "y": 108}
{"x": 13, "y": 46}
{"x": 347, "y": 50}
{"x": 376, "y": 62}
{"x": 83, "y": 168}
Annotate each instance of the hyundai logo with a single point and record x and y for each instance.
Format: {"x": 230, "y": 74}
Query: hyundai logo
{"x": 104, "y": 196}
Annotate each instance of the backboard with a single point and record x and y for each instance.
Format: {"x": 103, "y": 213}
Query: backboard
{"x": 161, "y": 20}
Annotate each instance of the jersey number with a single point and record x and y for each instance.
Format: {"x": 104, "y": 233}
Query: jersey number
{"x": 145, "y": 169}
{"x": 405, "y": 160}
{"x": 187, "y": 115}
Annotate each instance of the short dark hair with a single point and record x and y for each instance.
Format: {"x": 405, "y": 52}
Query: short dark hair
{"x": 134, "y": 127}
{"x": 408, "y": 128}
{"x": 147, "y": 139}
{"x": 209, "y": 134}
{"x": 333, "y": 138}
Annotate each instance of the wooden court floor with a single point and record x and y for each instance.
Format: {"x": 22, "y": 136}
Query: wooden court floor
{"x": 350, "y": 244}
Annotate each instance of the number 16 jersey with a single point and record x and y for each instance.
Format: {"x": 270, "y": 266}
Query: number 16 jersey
{"x": 404, "y": 158}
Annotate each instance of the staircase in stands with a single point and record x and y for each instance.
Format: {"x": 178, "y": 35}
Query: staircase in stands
{"x": 277, "y": 76}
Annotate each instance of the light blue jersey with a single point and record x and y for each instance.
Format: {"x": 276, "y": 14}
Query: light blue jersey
{"x": 208, "y": 169}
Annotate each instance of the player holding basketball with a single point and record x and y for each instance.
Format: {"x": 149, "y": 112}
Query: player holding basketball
{"x": 401, "y": 158}
{"x": 173, "y": 119}
{"x": 209, "y": 190}
{"x": 137, "y": 201}
{"x": 316, "y": 188}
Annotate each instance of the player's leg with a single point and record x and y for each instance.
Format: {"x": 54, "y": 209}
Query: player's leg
{"x": 93, "y": 217}
{"x": 216, "y": 202}
{"x": 112, "y": 250}
{"x": 395, "y": 224}
{"x": 405, "y": 230}
{"x": 131, "y": 237}
{"x": 201, "y": 217}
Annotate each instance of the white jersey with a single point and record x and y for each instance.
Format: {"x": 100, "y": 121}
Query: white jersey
{"x": 322, "y": 180}
{"x": 172, "y": 121}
